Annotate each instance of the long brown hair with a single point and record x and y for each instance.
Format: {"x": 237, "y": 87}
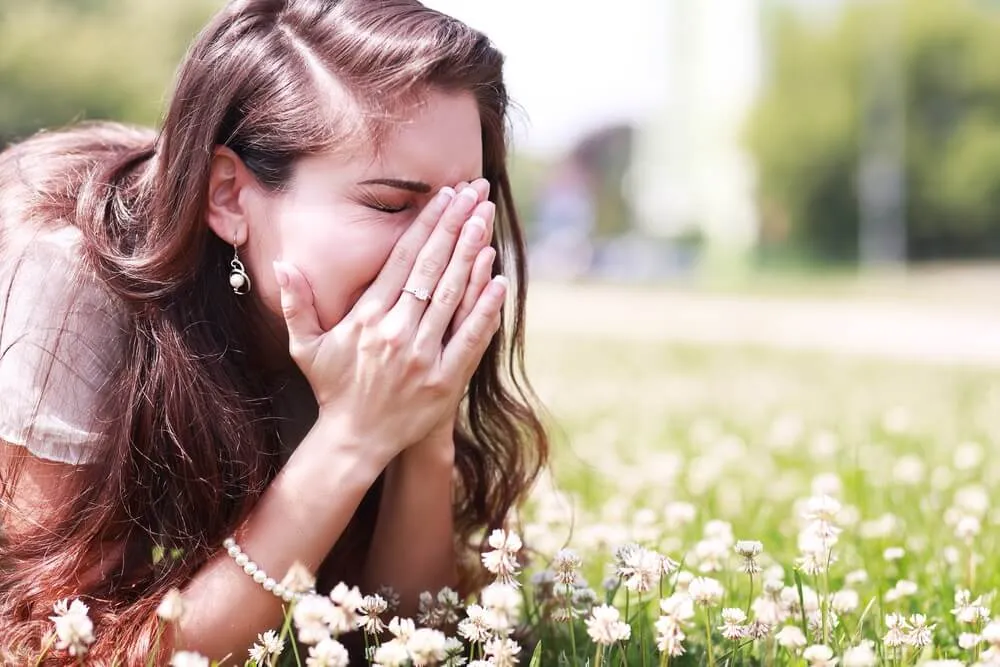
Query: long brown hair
{"x": 188, "y": 431}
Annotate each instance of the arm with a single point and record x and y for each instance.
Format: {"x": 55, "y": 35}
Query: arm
{"x": 299, "y": 518}
{"x": 413, "y": 547}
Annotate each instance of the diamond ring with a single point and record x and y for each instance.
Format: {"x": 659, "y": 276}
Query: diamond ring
{"x": 419, "y": 293}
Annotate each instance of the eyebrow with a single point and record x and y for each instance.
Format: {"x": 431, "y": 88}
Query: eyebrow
{"x": 413, "y": 186}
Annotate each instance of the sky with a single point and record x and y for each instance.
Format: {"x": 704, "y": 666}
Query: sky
{"x": 572, "y": 65}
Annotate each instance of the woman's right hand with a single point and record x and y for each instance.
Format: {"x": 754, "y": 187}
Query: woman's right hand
{"x": 383, "y": 377}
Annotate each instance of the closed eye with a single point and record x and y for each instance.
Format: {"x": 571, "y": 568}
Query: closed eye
{"x": 385, "y": 208}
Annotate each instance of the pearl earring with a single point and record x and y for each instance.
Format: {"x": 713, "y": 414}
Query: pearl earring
{"x": 238, "y": 278}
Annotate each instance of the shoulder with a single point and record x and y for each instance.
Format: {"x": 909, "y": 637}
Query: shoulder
{"x": 60, "y": 338}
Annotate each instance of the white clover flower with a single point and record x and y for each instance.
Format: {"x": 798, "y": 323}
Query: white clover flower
{"x": 897, "y": 630}
{"x": 705, "y": 591}
{"x": 969, "y": 640}
{"x": 74, "y": 629}
{"x": 862, "y": 655}
{"x": 328, "y": 653}
{"x": 991, "y": 634}
{"x": 711, "y": 555}
{"x": 920, "y": 633}
{"x": 504, "y": 601}
{"x": 502, "y": 561}
{"x": 819, "y": 655}
{"x": 749, "y": 550}
{"x": 171, "y": 608}
{"x": 903, "y": 588}
{"x": 721, "y": 531}
{"x": 827, "y": 484}
{"x": 943, "y": 663}
{"x": 310, "y": 614}
{"x": 822, "y": 508}
{"x": 967, "y": 528}
{"x": 768, "y": 609}
{"x": 669, "y": 636}
{"x": 267, "y": 650}
{"x": 370, "y": 614}
{"x": 845, "y": 601}
{"x": 758, "y": 629}
{"x": 679, "y": 514}
{"x": 402, "y": 628}
{"x": 815, "y": 620}
{"x": 968, "y": 610}
{"x": 605, "y": 627}
{"x": 678, "y": 606}
{"x": 893, "y": 554}
{"x": 392, "y": 653}
{"x": 566, "y": 566}
{"x": 856, "y": 577}
{"x": 641, "y": 570}
{"x": 454, "y": 652}
{"x": 732, "y": 627}
{"x": 188, "y": 659}
{"x": 481, "y": 663}
{"x": 299, "y": 579}
{"x": 791, "y": 638}
{"x": 502, "y": 651}
{"x": 426, "y": 647}
{"x": 477, "y": 627}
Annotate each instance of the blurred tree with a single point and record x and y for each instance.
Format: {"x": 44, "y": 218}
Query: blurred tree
{"x": 66, "y": 60}
{"x": 806, "y": 130}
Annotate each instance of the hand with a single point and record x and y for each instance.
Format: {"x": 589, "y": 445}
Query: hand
{"x": 440, "y": 443}
{"x": 383, "y": 375}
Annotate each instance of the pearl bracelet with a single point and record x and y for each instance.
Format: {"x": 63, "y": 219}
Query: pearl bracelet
{"x": 258, "y": 575}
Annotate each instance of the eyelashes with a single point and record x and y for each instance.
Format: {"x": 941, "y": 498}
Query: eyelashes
{"x": 385, "y": 208}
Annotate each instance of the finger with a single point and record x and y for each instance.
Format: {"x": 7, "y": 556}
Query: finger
{"x": 384, "y": 291}
{"x": 297, "y": 305}
{"x": 454, "y": 282}
{"x": 465, "y": 350}
{"x": 482, "y": 272}
{"x": 434, "y": 256}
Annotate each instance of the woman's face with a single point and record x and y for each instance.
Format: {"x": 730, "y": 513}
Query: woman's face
{"x": 339, "y": 217}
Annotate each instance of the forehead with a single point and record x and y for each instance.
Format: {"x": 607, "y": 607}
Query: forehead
{"x": 438, "y": 141}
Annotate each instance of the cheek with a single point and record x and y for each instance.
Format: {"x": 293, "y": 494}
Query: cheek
{"x": 339, "y": 256}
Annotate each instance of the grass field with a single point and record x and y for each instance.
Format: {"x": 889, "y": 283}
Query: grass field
{"x": 655, "y": 441}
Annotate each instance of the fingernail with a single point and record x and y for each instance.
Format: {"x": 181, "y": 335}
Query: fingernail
{"x": 446, "y": 194}
{"x": 474, "y": 230}
{"x": 280, "y": 273}
{"x": 501, "y": 281}
{"x": 470, "y": 194}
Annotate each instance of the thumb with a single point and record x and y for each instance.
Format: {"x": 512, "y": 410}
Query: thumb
{"x": 297, "y": 304}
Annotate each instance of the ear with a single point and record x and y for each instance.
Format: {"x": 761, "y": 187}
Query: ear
{"x": 230, "y": 189}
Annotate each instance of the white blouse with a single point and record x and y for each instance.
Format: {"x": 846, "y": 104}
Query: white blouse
{"x": 60, "y": 334}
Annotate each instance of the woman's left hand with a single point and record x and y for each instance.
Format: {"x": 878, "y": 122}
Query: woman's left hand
{"x": 441, "y": 439}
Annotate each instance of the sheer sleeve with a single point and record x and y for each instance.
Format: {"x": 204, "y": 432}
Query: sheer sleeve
{"x": 59, "y": 340}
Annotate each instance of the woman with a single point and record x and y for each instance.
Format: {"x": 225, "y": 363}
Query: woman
{"x": 224, "y": 331}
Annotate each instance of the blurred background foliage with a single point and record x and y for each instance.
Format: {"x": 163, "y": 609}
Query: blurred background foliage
{"x": 806, "y": 130}
{"x": 66, "y": 60}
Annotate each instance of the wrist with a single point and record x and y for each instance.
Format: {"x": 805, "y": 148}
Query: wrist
{"x": 332, "y": 441}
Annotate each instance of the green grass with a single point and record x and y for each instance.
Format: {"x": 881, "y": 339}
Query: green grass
{"x": 742, "y": 433}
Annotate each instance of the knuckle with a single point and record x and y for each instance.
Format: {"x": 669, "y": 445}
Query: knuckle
{"x": 447, "y": 295}
{"x": 367, "y": 315}
{"x": 401, "y": 255}
{"x": 429, "y": 267}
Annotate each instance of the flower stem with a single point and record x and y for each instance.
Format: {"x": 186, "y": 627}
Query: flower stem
{"x": 708, "y": 637}
{"x": 599, "y": 656}
{"x": 572, "y": 630}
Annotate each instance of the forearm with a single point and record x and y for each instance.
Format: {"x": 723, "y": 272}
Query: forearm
{"x": 413, "y": 544}
{"x": 299, "y": 518}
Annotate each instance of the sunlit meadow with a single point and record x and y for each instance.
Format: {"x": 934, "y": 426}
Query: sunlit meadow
{"x": 720, "y": 506}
